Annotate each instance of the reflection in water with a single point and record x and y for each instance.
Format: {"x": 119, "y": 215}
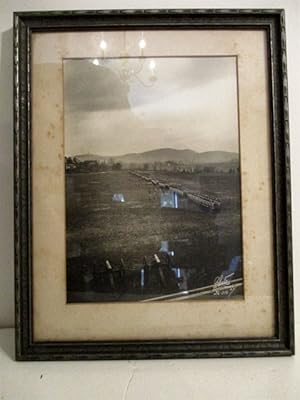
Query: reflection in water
{"x": 169, "y": 199}
{"x": 164, "y": 248}
{"x": 178, "y": 272}
{"x": 176, "y": 198}
{"x": 118, "y": 197}
{"x": 234, "y": 265}
{"x": 142, "y": 278}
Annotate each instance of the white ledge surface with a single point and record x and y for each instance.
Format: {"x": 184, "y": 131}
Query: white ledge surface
{"x": 248, "y": 378}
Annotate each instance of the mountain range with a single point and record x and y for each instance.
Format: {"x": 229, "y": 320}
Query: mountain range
{"x": 185, "y": 156}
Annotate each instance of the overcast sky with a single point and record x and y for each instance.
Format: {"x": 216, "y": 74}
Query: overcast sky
{"x": 191, "y": 105}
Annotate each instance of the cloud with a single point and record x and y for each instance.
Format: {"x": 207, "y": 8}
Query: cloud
{"x": 88, "y": 87}
{"x": 193, "y": 104}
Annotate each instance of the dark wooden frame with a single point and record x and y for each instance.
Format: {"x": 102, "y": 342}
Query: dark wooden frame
{"x": 272, "y": 21}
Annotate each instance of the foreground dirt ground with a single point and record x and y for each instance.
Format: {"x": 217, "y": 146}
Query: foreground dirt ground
{"x": 200, "y": 242}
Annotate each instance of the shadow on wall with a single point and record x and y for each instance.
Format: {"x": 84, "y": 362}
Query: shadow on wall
{"x": 6, "y": 180}
{"x": 7, "y": 344}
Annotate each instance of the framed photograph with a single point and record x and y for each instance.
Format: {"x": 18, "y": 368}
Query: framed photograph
{"x": 152, "y": 185}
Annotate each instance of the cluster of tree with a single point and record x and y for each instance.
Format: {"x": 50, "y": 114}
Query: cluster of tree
{"x": 73, "y": 164}
{"x": 173, "y": 166}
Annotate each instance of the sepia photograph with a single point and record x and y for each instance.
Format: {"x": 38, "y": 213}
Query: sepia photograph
{"x": 152, "y": 198}
{"x": 152, "y": 179}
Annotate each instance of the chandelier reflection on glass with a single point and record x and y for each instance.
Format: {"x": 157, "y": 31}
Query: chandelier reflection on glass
{"x": 131, "y": 68}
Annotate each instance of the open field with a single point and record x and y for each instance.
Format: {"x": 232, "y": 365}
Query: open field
{"x": 194, "y": 245}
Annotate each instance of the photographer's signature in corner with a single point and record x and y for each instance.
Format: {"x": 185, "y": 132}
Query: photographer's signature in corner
{"x": 223, "y": 286}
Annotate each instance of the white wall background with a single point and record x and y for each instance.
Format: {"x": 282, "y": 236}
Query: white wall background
{"x": 181, "y": 379}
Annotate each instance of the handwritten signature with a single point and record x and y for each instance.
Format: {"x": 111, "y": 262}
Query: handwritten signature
{"x": 222, "y": 285}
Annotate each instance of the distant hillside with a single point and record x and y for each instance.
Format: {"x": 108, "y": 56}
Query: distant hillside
{"x": 162, "y": 155}
{"x": 90, "y": 157}
{"x": 184, "y": 156}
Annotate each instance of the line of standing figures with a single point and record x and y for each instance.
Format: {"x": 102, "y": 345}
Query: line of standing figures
{"x": 156, "y": 274}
